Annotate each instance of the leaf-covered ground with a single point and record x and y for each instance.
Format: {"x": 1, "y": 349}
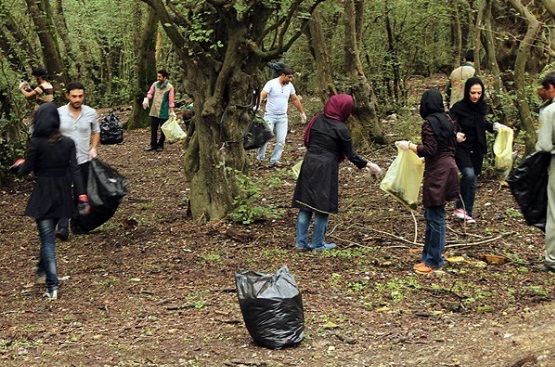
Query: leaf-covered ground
{"x": 154, "y": 288}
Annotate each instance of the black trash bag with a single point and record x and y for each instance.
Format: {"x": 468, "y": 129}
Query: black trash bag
{"x": 528, "y": 185}
{"x": 105, "y": 189}
{"x": 111, "y": 131}
{"x": 257, "y": 134}
{"x": 272, "y": 307}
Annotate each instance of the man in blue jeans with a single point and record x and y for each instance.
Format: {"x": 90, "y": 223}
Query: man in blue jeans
{"x": 277, "y": 92}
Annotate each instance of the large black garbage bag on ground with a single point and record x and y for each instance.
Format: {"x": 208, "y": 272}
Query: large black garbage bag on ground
{"x": 272, "y": 307}
{"x": 528, "y": 185}
{"x": 111, "y": 131}
{"x": 105, "y": 189}
{"x": 257, "y": 134}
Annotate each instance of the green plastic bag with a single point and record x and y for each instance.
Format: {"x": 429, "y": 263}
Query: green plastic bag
{"x": 503, "y": 150}
{"x": 173, "y": 131}
{"x": 404, "y": 177}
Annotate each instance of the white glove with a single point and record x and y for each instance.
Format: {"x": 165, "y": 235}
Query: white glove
{"x": 303, "y": 118}
{"x": 92, "y": 153}
{"x": 172, "y": 114}
{"x": 461, "y": 137}
{"x": 23, "y": 84}
{"x": 403, "y": 144}
{"x": 498, "y": 126}
{"x": 145, "y": 103}
{"x": 374, "y": 168}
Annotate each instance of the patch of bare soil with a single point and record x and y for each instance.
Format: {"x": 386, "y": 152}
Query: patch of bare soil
{"x": 152, "y": 287}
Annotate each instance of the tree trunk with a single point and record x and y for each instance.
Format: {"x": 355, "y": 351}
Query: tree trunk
{"x": 145, "y": 67}
{"x": 319, "y": 50}
{"x": 364, "y": 123}
{"x": 526, "y": 120}
{"x": 50, "y": 53}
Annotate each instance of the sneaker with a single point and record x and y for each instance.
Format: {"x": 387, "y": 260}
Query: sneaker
{"x": 52, "y": 295}
{"x": 302, "y": 248}
{"x": 543, "y": 267}
{"x": 325, "y": 246}
{"x": 160, "y": 149}
{"x": 62, "y": 233}
{"x": 422, "y": 268}
{"x": 277, "y": 164}
{"x": 150, "y": 149}
{"x": 469, "y": 220}
{"x": 459, "y": 213}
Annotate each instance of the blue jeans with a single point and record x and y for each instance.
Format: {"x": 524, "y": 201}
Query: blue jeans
{"x": 47, "y": 262}
{"x": 319, "y": 230}
{"x": 434, "y": 241}
{"x": 468, "y": 190}
{"x": 278, "y": 124}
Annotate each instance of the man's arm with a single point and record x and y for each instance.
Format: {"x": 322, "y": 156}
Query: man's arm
{"x": 545, "y": 133}
{"x": 297, "y": 102}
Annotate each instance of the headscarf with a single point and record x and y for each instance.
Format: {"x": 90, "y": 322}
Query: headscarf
{"x": 431, "y": 109}
{"x": 467, "y": 107}
{"x": 339, "y": 107}
{"x": 46, "y": 121}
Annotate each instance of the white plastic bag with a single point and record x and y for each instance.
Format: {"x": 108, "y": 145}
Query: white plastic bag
{"x": 503, "y": 150}
{"x": 173, "y": 131}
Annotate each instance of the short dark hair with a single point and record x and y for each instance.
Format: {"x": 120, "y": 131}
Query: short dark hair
{"x": 164, "y": 73}
{"x": 548, "y": 79}
{"x": 287, "y": 71}
{"x": 74, "y": 85}
{"x": 39, "y": 72}
{"x": 469, "y": 56}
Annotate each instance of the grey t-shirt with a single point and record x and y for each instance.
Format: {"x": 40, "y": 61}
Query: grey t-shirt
{"x": 79, "y": 129}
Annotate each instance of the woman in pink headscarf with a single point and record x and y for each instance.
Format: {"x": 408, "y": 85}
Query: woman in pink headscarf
{"x": 328, "y": 142}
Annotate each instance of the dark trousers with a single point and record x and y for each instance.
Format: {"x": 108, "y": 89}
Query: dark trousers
{"x": 155, "y": 123}
{"x": 84, "y": 171}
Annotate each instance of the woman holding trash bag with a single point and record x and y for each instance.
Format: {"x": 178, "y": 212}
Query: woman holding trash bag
{"x": 328, "y": 143}
{"x": 52, "y": 158}
{"x": 441, "y": 178}
{"x": 470, "y": 114}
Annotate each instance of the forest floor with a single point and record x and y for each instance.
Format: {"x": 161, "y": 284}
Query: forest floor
{"x": 152, "y": 287}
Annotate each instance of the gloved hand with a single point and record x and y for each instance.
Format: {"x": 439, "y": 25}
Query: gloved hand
{"x": 498, "y": 126}
{"x": 461, "y": 137}
{"x": 14, "y": 168}
{"x": 145, "y": 103}
{"x": 403, "y": 144}
{"x": 23, "y": 84}
{"x": 172, "y": 114}
{"x": 374, "y": 168}
{"x": 83, "y": 205}
{"x": 92, "y": 153}
{"x": 303, "y": 118}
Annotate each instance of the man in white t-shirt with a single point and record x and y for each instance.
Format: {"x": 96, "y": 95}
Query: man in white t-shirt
{"x": 277, "y": 93}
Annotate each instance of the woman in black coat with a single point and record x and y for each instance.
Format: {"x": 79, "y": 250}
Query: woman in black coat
{"x": 441, "y": 178}
{"x": 51, "y": 156}
{"x": 328, "y": 142}
{"x": 470, "y": 115}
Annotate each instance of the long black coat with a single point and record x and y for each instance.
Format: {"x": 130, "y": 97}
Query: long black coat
{"x": 317, "y": 185}
{"x": 55, "y": 167}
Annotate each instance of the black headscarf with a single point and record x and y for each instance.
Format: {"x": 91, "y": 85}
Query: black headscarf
{"x": 46, "y": 121}
{"x": 467, "y": 107}
{"x": 431, "y": 109}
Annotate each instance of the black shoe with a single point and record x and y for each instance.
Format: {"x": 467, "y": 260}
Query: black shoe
{"x": 150, "y": 149}
{"x": 543, "y": 267}
{"x": 62, "y": 234}
{"x": 159, "y": 149}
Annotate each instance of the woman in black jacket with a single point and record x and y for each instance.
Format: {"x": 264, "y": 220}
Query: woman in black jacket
{"x": 51, "y": 156}
{"x": 328, "y": 142}
{"x": 470, "y": 115}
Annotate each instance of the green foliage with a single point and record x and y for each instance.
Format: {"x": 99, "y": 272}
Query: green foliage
{"x": 249, "y": 204}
